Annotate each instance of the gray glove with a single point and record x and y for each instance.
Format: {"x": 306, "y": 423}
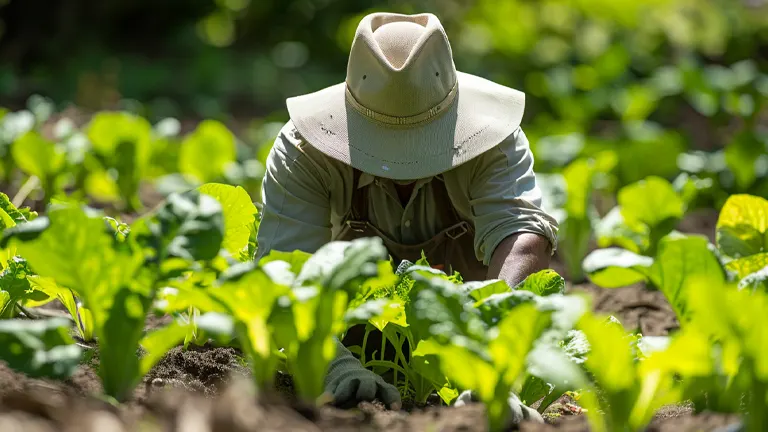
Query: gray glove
{"x": 350, "y": 383}
{"x": 517, "y": 414}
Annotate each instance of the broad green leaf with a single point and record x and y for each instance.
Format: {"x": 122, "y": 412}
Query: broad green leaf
{"x": 681, "y": 260}
{"x": 480, "y": 290}
{"x": 615, "y": 268}
{"x": 535, "y": 389}
{"x": 206, "y": 152}
{"x": 100, "y": 186}
{"x": 378, "y": 312}
{"x": 543, "y": 283}
{"x": 741, "y": 155}
{"x": 343, "y": 265}
{"x": 158, "y": 342}
{"x": 756, "y": 281}
{"x": 455, "y": 360}
{"x": 56, "y": 254}
{"x": 13, "y": 281}
{"x": 9, "y": 214}
{"x": 652, "y": 201}
{"x": 748, "y": 265}
{"x": 578, "y": 177}
{"x": 37, "y": 156}
{"x": 123, "y": 142}
{"x": 517, "y": 334}
{"x": 39, "y": 348}
{"x": 688, "y": 353}
{"x": 296, "y": 259}
{"x": 188, "y": 226}
{"x": 239, "y": 215}
{"x": 107, "y": 130}
{"x": 441, "y": 309}
{"x": 553, "y": 368}
{"x": 77, "y": 252}
{"x": 573, "y": 244}
{"x": 575, "y": 346}
{"x": 119, "y": 337}
{"x": 249, "y": 296}
{"x": 81, "y": 315}
{"x": 610, "y": 360}
{"x": 25, "y": 231}
{"x": 613, "y": 230}
{"x": 428, "y": 368}
{"x": 6, "y": 221}
{"x": 383, "y": 285}
{"x": 742, "y": 228}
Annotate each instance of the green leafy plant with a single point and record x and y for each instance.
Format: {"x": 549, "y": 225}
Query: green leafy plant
{"x": 678, "y": 259}
{"x": 122, "y": 147}
{"x": 15, "y": 289}
{"x": 625, "y": 392}
{"x": 315, "y": 310}
{"x": 242, "y": 299}
{"x": 239, "y": 217}
{"x": 117, "y": 278}
{"x": 207, "y": 152}
{"x": 742, "y": 234}
{"x": 647, "y": 211}
{"x": 39, "y": 348}
{"x": 40, "y": 158}
{"x": 576, "y": 225}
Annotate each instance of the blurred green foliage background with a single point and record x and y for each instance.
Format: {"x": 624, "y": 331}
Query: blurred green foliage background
{"x": 616, "y": 90}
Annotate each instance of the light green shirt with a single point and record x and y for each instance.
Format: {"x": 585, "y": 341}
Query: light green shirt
{"x": 308, "y": 194}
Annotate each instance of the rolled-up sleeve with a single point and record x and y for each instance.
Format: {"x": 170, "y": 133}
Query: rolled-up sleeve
{"x": 296, "y": 212}
{"x": 505, "y": 198}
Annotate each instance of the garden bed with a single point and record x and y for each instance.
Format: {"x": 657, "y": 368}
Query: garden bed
{"x": 206, "y": 389}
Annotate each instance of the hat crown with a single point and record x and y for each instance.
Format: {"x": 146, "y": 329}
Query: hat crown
{"x": 400, "y": 65}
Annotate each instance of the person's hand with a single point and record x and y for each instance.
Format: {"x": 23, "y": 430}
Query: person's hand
{"x": 517, "y": 411}
{"x": 350, "y": 383}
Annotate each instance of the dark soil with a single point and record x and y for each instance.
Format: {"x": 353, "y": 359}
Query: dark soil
{"x": 207, "y": 389}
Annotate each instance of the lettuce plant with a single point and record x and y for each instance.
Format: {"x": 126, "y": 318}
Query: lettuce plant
{"x": 287, "y": 308}
{"x": 117, "y": 278}
{"x": 742, "y": 234}
{"x": 572, "y": 206}
{"x": 39, "y": 348}
{"x": 315, "y": 310}
{"x": 492, "y": 330}
{"x": 741, "y": 253}
{"x": 624, "y": 392}
{"x": 647, "y": 211}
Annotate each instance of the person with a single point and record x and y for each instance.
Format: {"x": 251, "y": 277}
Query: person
{"x": 413, "y": 151}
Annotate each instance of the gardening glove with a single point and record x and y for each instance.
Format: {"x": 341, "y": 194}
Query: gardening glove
{"x": 350, "y": 383}
{"x": 517, "y": 413}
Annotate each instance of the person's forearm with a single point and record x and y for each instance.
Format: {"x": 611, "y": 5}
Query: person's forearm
{"x": 519, "y": 256}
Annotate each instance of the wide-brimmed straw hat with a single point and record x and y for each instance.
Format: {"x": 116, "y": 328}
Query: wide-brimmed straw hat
{"x": 404, "y": 112}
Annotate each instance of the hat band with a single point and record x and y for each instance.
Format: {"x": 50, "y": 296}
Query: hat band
{"x": 407, "y": 120}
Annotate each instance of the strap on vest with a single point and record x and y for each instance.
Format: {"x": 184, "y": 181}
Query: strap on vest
{"x": 359, "y": 198}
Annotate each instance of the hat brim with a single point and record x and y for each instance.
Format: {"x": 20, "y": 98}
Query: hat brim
{"x": 482, "y": 115}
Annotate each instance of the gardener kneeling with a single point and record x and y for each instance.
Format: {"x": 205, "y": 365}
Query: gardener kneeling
{"x": 414, "y": 152}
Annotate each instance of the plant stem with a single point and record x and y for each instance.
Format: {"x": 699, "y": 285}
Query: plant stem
{"x": 31, "y": 184}
{"x": 26, "y": 312}
{"x": 756, "y": 420}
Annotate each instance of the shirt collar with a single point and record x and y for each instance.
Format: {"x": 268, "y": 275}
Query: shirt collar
{"x": 366, "y": 179}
